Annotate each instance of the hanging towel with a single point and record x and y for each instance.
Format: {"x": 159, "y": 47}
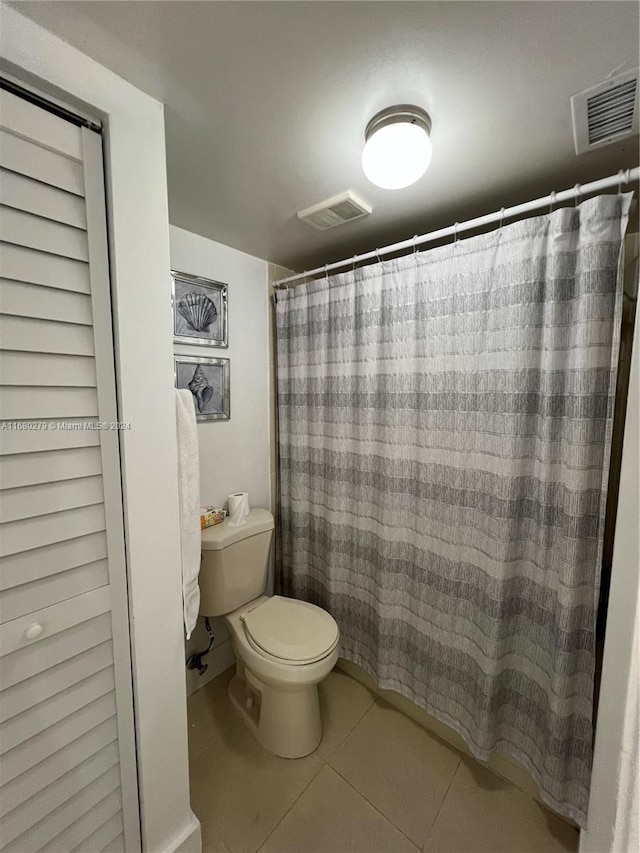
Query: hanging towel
{"x": 189, "y": 495}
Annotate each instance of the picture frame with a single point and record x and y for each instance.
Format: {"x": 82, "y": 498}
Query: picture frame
{"x": 199, "y": 310}
{"x": 208, "y": 380}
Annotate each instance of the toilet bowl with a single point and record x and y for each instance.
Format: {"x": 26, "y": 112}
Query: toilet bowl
{"x": 275, "y": 688}
{"x": 283, "y": 647}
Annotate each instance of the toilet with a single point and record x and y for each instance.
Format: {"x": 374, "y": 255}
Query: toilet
{"x": 283, "y": 647}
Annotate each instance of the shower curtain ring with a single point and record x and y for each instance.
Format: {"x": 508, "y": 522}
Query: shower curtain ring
{"x": 415, "y": 244}
{"x": 578, "y": 191}
{"x": 353, "y": 267}
{"x": 455, "y": 232}
{"x": 502, "y": 210}
{"x": 326, "y": 271}
{"x": 552, "y": 198}
{"x": 378, "y": 256}
{"x": 624, "y": 178}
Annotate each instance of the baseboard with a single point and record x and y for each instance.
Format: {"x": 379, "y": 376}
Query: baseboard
{"x": 188, "y": 840}
{"x": 501, "y": 765}
{"x": 220, "y": 657}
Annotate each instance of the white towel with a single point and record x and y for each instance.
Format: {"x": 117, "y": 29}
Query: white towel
{"x": 189, "y": 492}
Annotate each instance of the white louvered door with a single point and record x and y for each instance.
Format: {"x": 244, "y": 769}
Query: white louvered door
{"x": 68, "y": 772}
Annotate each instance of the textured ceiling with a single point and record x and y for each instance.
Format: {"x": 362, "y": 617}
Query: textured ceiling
{"x": 266, "y": 104}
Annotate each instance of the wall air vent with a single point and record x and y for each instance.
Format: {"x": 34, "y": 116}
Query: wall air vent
{"x": 335, "y": 211}
{"x": 606, "y": 113}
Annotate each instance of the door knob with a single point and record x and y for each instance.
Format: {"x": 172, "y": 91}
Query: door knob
{"x": 33, "y": 631}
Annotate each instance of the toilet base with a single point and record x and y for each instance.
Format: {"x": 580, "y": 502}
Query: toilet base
{"x": 285, "y": 722}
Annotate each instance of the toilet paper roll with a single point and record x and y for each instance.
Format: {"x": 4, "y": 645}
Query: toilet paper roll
{"x": 238, "y": 508}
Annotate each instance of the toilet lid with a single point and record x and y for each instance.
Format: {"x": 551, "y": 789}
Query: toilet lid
{"x": 291, "y": 630}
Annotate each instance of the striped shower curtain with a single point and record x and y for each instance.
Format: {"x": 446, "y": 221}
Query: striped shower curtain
{"x": 445, "y": 426}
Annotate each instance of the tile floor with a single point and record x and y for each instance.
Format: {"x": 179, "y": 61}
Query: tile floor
{"x": 377, "y": 783}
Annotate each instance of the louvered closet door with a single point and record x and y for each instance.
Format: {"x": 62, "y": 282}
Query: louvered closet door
{"x": 68, "y": 775}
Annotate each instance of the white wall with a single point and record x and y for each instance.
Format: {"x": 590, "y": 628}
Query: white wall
{"x": 613, "y": 824}
{"x": 139, "y": 247}
{"x": 234, "y": 454}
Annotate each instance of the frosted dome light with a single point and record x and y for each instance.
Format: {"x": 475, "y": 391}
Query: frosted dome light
{"x": 397, "y": 150}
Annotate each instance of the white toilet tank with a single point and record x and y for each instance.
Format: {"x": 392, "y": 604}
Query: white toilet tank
{"x": 235, "y": 563}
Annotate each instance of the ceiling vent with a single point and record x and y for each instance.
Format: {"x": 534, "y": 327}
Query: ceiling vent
{"x": 606, "y": 113}
{"x": 335, "y": 211}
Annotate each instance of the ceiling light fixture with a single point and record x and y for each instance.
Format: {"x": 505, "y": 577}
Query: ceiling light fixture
{"x": 397, "y": 147}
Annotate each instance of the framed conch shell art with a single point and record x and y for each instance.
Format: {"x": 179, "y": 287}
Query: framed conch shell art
{"x": 199, "y": 310}
{"x": 208, "y": 381}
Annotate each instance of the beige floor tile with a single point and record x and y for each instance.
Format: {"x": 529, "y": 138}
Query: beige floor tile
{"x": 330, "y": 817}
{"x": 244, "y": 791}
{"x": 209, "y": 714}
{"x": 399, "y": 767}
{"x": 212, "y": 841}
{"x": 343, "y": 701}
{"x": 484, "y": 814}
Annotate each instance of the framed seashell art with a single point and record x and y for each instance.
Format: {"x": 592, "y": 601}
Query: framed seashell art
{"x": 208, "y": 381}
{"x": 199, "y": 310}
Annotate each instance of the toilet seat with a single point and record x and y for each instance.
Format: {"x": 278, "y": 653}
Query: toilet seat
{"x": 290, "y": 631}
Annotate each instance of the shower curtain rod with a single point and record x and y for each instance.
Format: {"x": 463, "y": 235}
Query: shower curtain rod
{"x": 623, "y": 177}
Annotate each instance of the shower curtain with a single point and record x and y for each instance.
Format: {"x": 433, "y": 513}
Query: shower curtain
{"x": 444, "y": 435}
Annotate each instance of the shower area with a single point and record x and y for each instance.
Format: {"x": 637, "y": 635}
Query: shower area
{"x": 449, "y": 427}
